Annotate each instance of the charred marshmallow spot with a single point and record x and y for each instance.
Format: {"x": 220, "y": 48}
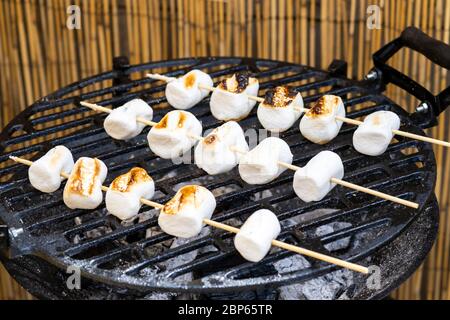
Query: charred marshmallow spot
{"x": 125, "y": 182}
{"x": 185, "y": 196}
{"x": 189, "y": 80}
{"x": 84, "y": 177}
{"x": 237, "y": 83}
{"x": 279, "y": 97}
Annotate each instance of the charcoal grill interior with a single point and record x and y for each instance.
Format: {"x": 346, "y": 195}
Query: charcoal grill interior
{"x": 136, "y": 255}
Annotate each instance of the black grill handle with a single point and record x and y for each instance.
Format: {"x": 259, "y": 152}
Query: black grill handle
{"x": 435, "y": 50}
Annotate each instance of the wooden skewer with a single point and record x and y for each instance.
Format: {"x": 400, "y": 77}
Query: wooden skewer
{"x": 296, "y": 249}
{"x": 98, "y": 108}
{"x": 343, "y": 119}
{"x": 360, "y": 188}
{"x": 283, "y": 164}
{"x": 215, "y": 224}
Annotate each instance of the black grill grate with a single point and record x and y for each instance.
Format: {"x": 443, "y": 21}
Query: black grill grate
{"x": 122, "y": 254}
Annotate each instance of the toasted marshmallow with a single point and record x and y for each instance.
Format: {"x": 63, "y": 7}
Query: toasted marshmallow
{"x": 313, "y": 181}
{"x": 254, "y": 239}
{"x": 260, "y": 165}
{"x": 374, "y": 135}
{"x": 184, "y": 92}
{"x": 319, "y": 124}
{"x": 183, "y": 215}
{"x": 215, "y": 154}
{"x": 230, "y": 102}
{"x": 83, "y": 189}
{"x": 280, "y": 109}
{"x": 122, "y": 122}
{"x": 172, "y": 136}
{"x": 123, "y": 198}
{"x": 45, "y": 173}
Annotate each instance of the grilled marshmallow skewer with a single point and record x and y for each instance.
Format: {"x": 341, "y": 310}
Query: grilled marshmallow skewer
{"x": 45, "y": 173}
{"x": 337, "y": 117}
{"x": 174, "y": 134}
{"x": 83, "y": 189}
{"x": 178, "y": 204}
{"x": 122, "y": 123}
{"x": 230, "y": 99}
{"x": 280, "y": 109}
{"x": 124, "y": 193}
{"x": 374, "y": 135}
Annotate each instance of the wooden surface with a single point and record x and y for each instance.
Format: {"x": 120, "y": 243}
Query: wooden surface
{"x": 39, "y": 54}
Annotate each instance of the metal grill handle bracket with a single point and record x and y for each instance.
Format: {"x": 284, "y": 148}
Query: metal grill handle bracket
{"x": 121, "y": 65}
{"x": 4, "y": 238}
{"x": 437, "y": 51}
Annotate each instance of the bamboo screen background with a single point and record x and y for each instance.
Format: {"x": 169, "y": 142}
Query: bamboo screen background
{"x": 39, "y": 54}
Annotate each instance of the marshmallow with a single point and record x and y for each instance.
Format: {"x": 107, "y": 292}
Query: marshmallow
{"x": 45, "y": 173}
{"x": 254, "y": 239}
{"x": 313, "y": 181}
{"x": 215, "y": 154}
{"x": 319, "y": 125}
{"x": 374, "y": 135}
{"x": 183, "y": 215}
{"x": 280, "y": 109}
{"x": 83, "y": 189}
{"x": 122, "y": 122}
{"x": 184, "y": 92}
{"x": 123, "y": 198}
{"x": 173, "y": 135}
{"x": 260, "y": 165}
{"x": 230, "y": 102}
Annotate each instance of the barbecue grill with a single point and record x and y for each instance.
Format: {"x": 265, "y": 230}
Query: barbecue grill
{"x": 40, "y": 237}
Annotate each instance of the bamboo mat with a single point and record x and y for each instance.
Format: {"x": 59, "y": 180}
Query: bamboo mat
{"x": 39, "y": 54}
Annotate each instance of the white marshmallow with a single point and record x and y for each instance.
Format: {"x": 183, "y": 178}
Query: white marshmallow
{"x": 260, "y": 165}
{"x": 319, "y": 124}
{"x": 183, "y": 215}
{"x": 254, "y": 239}
{"x": 214, "y": 153}
{"x": 83, "y": 189}
{"x": 123, "y": 196}
{"x": 184, "y": 92}
{"x": 45, "y": 173}
{"x": 374, "y": 135}
{"x": 280, "y": 109}
{"x": 230, "y": 102}
{"x": 313, "y": 181}
{"x": 122, "y": 122}
{"x": 172, "y": 136}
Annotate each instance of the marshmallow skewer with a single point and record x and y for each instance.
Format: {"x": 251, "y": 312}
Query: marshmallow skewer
{"x": 339, "y": 118}
{"x": 99, "y": 108}
{"x": 360, "y": 188}
{"x": 215, "y": 224}
{"x": 283, "y": 164}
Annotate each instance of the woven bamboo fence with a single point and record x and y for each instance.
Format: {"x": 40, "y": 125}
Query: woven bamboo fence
{"x": 39, "y": 54}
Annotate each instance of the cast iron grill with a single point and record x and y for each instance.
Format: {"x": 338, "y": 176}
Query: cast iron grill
{"x": 135, "y": 255}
